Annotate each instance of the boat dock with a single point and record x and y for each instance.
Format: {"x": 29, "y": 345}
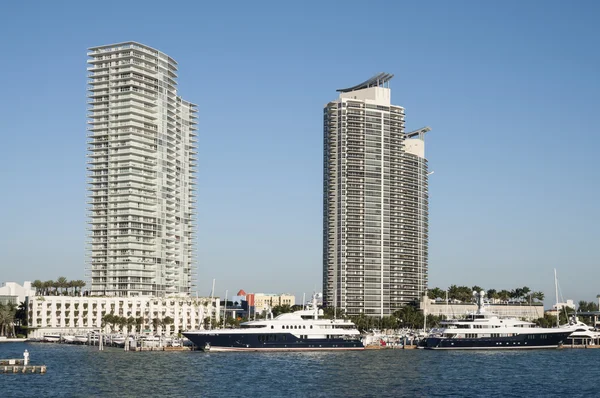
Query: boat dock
{"x": 19, "y": 366}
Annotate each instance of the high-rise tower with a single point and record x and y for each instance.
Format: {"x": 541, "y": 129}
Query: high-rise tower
{"x": 375, "y": 203}
{"x": 141, "y": 164}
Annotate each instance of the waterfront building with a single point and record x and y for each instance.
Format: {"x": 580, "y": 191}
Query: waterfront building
{"x": 375, "y": 203}
{"x": 12, "y": 292}
{"x": 142, "y": 156}
{"x": 457, "y": 310}
{"x": 258, "y": 302}
{"x": 74, "y": 314}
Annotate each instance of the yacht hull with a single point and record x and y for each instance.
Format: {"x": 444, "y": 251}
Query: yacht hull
{"x": 522, "y": 341}
{"x": 268, "y": 342}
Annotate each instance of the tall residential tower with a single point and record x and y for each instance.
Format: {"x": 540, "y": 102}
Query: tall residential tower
{"x": 375, "y": 203}
{"x": 141, "y": 164}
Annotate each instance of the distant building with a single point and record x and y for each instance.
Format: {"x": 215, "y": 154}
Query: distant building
{"x": 12, "y": 292}
{"x": 560, "y": 306}
{"x": 72, "y": 314}
{"x": 375, "y": 203}
{"x": 258, "y": 302}
{"x": 452, "y": 310}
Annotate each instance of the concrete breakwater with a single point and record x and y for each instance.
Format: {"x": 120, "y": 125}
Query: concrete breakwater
{"x": 20, "y": 366}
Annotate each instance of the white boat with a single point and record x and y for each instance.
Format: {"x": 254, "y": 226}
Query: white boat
{"x": 484, "y": 330}
{"x": 52, "y": 338}
{"x": 68, "y": 338}
{"x": 582, "y": 333}
{"x": 80, "y": 338}
{"x": 297, "y": 331}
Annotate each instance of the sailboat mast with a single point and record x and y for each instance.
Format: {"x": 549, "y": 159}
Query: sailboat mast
{"x": 556, "y": 292}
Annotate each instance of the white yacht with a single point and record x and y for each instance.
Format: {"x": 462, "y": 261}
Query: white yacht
{"x": 582, "y": 333}
{"x": 297, "y": 331}
{"x": 484, "y": 330}
{"x": 52, "y": 338}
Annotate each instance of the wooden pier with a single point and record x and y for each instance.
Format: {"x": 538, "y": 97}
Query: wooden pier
{"x": 18, "y": 366}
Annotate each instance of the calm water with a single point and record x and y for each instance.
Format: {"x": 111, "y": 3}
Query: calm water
{"x": 80, "y": 371}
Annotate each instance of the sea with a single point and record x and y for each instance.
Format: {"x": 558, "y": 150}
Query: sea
{"x": 83, "y": 371}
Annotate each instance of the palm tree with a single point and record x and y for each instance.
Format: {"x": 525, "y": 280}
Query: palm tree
{"x": 71, "y": 285}
{"x": 108, "y": 320}
{"x": 38, "y": 286}
{"x": 167, "y": 321}
{"x": 47, "y": 287}
{"x": 538, "y": 296}
{"x": 139, "y": 323}
{"x": 79, "y": 284}
{"x": 155, "y": 324}
{"x": 61, "y": 283}
{"x": 525, "y": 291}
{"x": 7, "y": 319}
{"x": 130, "y": 323}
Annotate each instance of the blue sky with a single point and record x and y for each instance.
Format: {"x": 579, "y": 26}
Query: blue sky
{"x": 510, "y": 89}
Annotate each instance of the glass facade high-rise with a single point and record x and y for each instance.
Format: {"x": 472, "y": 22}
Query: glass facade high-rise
{"x": 142, "y": 154}
{"x": 375, "y": 203}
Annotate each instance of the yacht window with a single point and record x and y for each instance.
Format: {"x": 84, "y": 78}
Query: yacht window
{"x": 303, "y": 326}
{"x": 272, "y": 327}
{"x": 311, "y": 326}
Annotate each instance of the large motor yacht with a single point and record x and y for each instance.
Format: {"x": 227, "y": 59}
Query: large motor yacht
{"x": 484, "y": 330}
{"x": 297, "y": 331}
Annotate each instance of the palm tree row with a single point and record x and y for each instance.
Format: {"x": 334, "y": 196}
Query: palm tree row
{"x": 7, "y": 319}
{"x": 465, "y": 294}
{"x": 139, "y": 323}
{"x": 59, "y": 287}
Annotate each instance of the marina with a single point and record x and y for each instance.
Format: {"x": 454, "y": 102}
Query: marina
{"x": 79, "y": 370}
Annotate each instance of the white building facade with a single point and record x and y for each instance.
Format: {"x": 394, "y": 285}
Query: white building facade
{"x": 14, "y": 293}
{"x": 142, "y": 152}
{"x": 375, "y": 203}
{"x": 73, "y": 315}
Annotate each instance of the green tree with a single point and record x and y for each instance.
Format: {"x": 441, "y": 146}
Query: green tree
{"x": 330, "y": 313}
{"x": 130, "y": 323}
{"x": 167, "y": 321}
{"x": 79, "y": 284}
{"x": 21, "y": 315}
{"x": 109, "y": 320}
{"x": 504, "y": 295}
{"x": 61, "y": 283}
{"x": 525, "y": 292}
{"x": 435, "y": 293}
{"x": 38, "y": 285}
{"x": 476, "y": 289}
{"x": 492, "y": 294}
{"x": 139, "y": 323}
{"x": 539, "y": 296}
{"x": 281, "y": 309}
{"x": 7, "y": 319}
{"x": 155, "y": 324}
{"x": 48, "y": 285}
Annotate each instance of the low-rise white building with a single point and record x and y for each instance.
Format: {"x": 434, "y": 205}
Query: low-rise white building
{"x": 526, "y": 311}
{"x": 72, "y": 314}
{"x": 14, "y": 293}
